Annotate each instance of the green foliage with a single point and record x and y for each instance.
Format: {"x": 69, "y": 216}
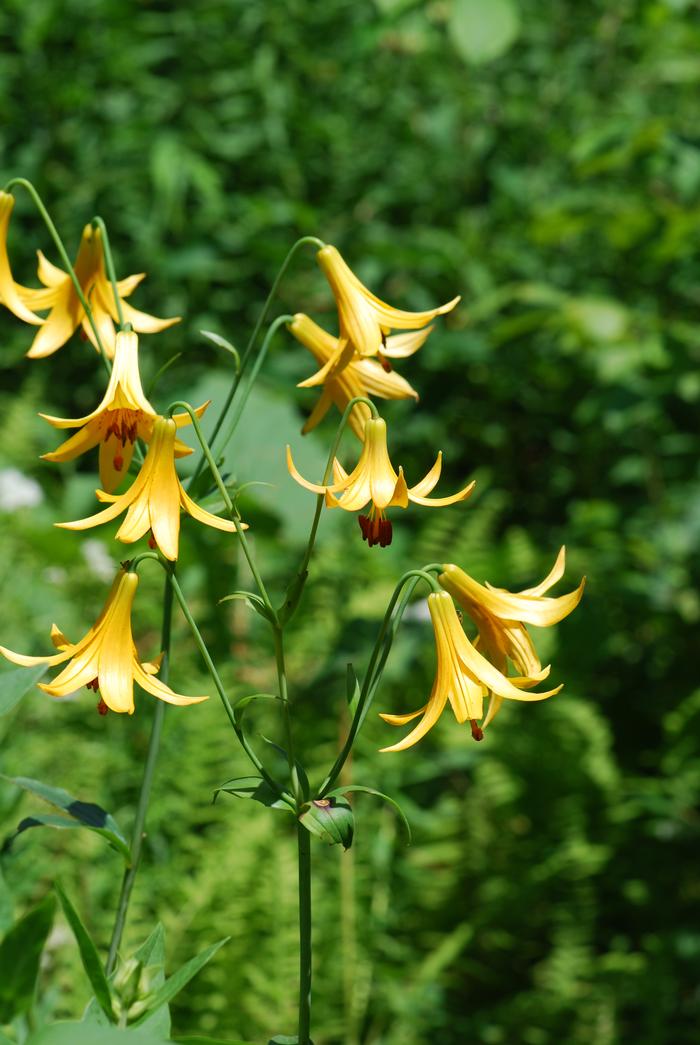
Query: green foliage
{"x": 548, "y": 894}
{"x": 20, "y": 953}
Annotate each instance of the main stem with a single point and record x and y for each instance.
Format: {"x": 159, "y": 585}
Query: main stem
{"x": 304, "y": 850}
{"x": 146, "y": 784}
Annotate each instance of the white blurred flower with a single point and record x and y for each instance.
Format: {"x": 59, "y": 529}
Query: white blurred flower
{"x": 98, "y": 560}
{"x": 18, "y": 491}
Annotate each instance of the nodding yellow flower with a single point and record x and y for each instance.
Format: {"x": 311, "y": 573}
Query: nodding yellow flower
{"x": 59, "y": 296}
{"x": 501, "y": 617}
{"x": 105, "y": 659}
{"x": 364, "y": 319}
{"x": 123, "y": 416}
{"x": 464, "y": 677}
{"x": 11, "y": 293}
{"x": 360, "y": 377}
{"x": 373, "y": 480}
{"x": 154, "y": 499}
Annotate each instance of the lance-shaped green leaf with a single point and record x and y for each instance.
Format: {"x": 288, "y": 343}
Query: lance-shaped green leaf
{"x": 331, "y": 820}
{"x": 291, "y": 597}
{"x": 286, "y": 1039}
{"x": 89, "y": 956}
{"x": 352, "y": 689}
{"x": 199, "y": 1040}
{"x": 241, "y": 705}
{"x": 80, "y": 814}
{"x": 347, "y": 788}
{"x": 252, "y": 601}
{"x": 221, "y": 342}
{"x": 252, "y": 787}
{"x": 303, "y": 778}
{"x": 16, "y": 683}
{"x": 20, "y": 953}
{"x": 172, "y": 986}
{"x": 159, "y": 373}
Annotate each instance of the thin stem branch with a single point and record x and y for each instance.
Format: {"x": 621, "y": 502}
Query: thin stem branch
{"x": 278, "y": 636}
{"x": 109, "y": 263}
{"x": 39, "y": 204}
{"x": 377, "y": 661}
{"x": 230, "y": 507}
{"x": 146, "y": 783}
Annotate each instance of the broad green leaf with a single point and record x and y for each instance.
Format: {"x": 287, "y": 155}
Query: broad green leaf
{"x": 286, "y": 1039}
{"x": 20, "y": 953}
{"x": 180, "y": 979}
{"x": 16, "y": 683}
{"x": 89, "y": 956}
{"x": 378, "y": 794}
{"x": 331, "y": 820}
{"x": 482, "y": 30}
{"x": 84, "y": 814}
{"x": 89, "y": 1034}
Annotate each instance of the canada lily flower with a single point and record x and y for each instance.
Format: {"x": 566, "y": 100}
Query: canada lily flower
{"x": 154, "y": 499}
{"x": 361, "y": 377}
{"x": 66, "y": 313}
{"x": 106, "y": 658}
{"x": 363, "y": 318}
{"x": 11, "y": 293}
{"x": 463, "y": 677}
{"x": 123, "y": 416}
{"x": 501, "y": 615}
{"x": 374, "y": 481}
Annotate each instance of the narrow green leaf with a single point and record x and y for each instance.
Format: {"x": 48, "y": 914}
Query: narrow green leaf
{"x": 151, "y": 954}
{"x": 221, "y": 342}
{"x": 89, "y": 956}
{"x": 159, "y": 373}
{"x": 16, "y": 683}
{"x": 198, "y": 1040}
{"x": 240, "y": 706}
{"x": 331, "y": 820}
{"x": 84, "y": 814}
{"x": 20, "y": 953}
{"x": 378, "y": 794}
{"x": 303, "y": 778}
{"x": 352, "y": 689}
{"x": 252, "y": 787}
{"x": 180, "y": 979}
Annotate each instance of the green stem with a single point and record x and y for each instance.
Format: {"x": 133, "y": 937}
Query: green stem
{"x": 377, "y": 661}
{"x": 293, "y": 601}
{"x": 109, "y": 262}
{"x": 39, "y": 204}
{"x": 256, "y": 330}
{"x": 297, "y": 790}
{"x": 304, "y": 849}
{"x": 146, "y": 783}
{"x": 230, "y": 508}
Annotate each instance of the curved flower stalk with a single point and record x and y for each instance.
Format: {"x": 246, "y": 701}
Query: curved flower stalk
{"x": 59, "y": 296}
{"x": 501, "y": 615}
{"x": 123, "y": 416}
{"x": 374, "y": 481}
{"x": 105, "y": 659}
{"x": 361, "y": 377}
{"x": 463, "y": 677}
{"x": 363, "y": 318}
{"x": 154, "y": 499}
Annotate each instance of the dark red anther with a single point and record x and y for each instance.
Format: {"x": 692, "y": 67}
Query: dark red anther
{"x": 102, "y": 707}
{"x": 94, "y": 684}
{"x": 385, "y": 532}
{"x": 118, "y": 462}
{"x": 477, "y": 731}
{"x": 386, "y": 365}
{"x": 132, "y": 433}
{"x": 152, "y": 542}
{"x": 83, "y": 334}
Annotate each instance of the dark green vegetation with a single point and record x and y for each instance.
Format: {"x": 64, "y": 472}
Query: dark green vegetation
{"x": 549, "y": 893}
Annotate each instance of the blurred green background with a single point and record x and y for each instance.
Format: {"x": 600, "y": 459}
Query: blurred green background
{"x": 543, "y": 160}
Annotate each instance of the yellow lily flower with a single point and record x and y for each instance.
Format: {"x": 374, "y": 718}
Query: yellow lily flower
{"x": 106, "y": 658}
{"x": 364, "y": 319}
{"x": 375, "y": 481}
{"x": 123, "y": 416}
{"x": 361, "y": 377}
{"x": 154, "y": 499}
{"x": 66, "y": 313}
{"x": 11, "y": 293}
{"x": 501, "y": 615}
{"x": 464, "y": 677}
